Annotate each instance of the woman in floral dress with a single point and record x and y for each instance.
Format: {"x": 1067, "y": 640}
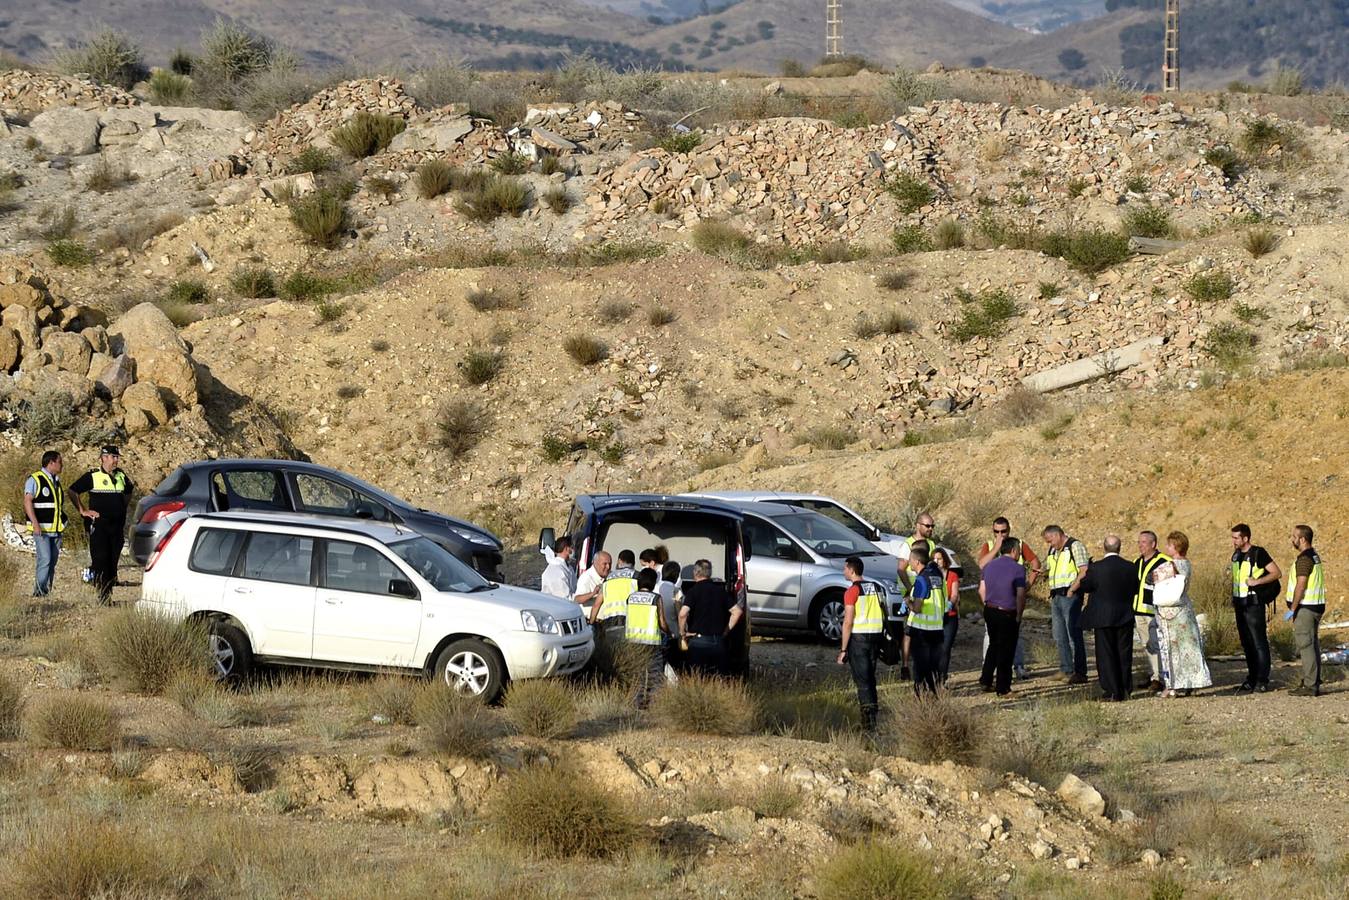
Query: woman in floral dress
{"x": 1178, "y": 638}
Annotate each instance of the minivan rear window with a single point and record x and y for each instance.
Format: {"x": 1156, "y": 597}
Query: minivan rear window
{"x": 215, "y": 550}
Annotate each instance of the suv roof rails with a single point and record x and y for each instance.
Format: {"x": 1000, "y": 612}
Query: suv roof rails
{"x": 320, "y": 523}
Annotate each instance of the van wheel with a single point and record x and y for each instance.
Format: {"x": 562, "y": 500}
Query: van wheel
{"x": 472, "y": 667}
{"x": 826, "y": 616}
{"x": 231, "y": 653}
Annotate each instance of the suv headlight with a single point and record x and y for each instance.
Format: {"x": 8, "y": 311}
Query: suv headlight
{"x": 534, "y": 620}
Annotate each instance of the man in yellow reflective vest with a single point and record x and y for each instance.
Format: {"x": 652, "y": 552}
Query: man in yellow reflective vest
{"x": 1255, "y": 583}
{"x": 1066, "y": 562}
{"x": 863, "y": 619}
{"x": 1145, "y": 614}
{"x": 1306, "y": 604}
{"x": 109, "y": 491}
{"x": 44, "y": 503}
{"x": 645, "y": 627}
{"x": 923, "y": 528}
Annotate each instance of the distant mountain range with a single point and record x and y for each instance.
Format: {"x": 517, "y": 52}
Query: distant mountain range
{"x": 1075, "y": 40}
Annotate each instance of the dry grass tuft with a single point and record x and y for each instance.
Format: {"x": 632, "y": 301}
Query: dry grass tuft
{"x": 559, "y": 812}
{"x": 701, "y": 705}
{"x": 891, "y": 321}
{"x": 934, "y": 729}
{"x": 541, "y": 708}
{"x": 144, "y": 652}
{"x": 481, "y": 366}
{"x": 71, "y": 856}
{"x": 880, "y": 871}
{"x": 461, "y": 424}
{"x": 366, "y": 134}
{"x": 11, "y": 708}
{"x": 73, "y": 722}
{"x": 454, "y": 724}
{"x": 586, "y": 350}
{"x": 393, "y": 697}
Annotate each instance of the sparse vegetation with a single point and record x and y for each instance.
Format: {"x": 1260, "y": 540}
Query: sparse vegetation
{"x": 314, "y": 160}
{"x": 11, "y": 708}
{"x": 66, "y": 252}
{"x": 1148, "y": 221}
{"x": 931, "y": 729}
{"x": 187, "y": 291}
{"x": 1209, "y": 287}
{"x": 1261, "y": 136}
{"x": 557, "y": 199}
{"x": 495, "y": 197}
{"x": 1225, "y": 159}
{"x": 878, "y": 871}
{"x": 434, "y": 178}
{"x": 701, "y": 705}
{"x": 1260, "y": 241}
{"x": 1231, "y": 346}
{"x": 982, "y": 314}
{"x": 911, "y": 193}
{"x": 144, "y": 652}
{"x": 541, "y": 707}
{"x": 680, "y": 142}
{"x": 461, "y": 424}
{"x": 49, "y": 416}
{"x": 510, "y": 164}
{"x": 585, "y": 350}
{"x": 1057, "y": 428}
{"x": 829, "y": 437}
{"x": 107, "y": 176}
{"x": 890, "y": 321}
{"x": 329, "y": 311}
{"x": 321, "y": 217}
{"x": 303, "y": 287}
{"x": 612, "y": 312}
{"x": 910, "y": 239}
{"x": 454, "y": 723}
{"x": 253, "y": 282}
{"x": 660, "y": 316}
{"x": 381, "y": 186}
{"x": 948, "y": 235}
{"x": 169, "y": 88}
{"x": 72, "y": 722}
{"x": 109, "y": 56}
{"x": 894, "y": 281}
{"x": 557, "y": 811}
{"x": 366, "y": 134}
{"x": 1090, "y": 251}
{"x": 480, "y": 366}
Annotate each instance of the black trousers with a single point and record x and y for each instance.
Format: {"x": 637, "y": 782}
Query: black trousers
{"x": 862, "y": 652}
{"x": 950, "y": 625}
{"x": 1250, "y": 615}
{"x": 1115, "y": 660}
{"x": 707, "y": 654}
{"x": 1003, "y": 630}
{"x": 106, "y": 538}
{"x": 925, "y": 656}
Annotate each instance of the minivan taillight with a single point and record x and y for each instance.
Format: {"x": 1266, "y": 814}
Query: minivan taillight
{"x": 161, "y": 510}
{"x": 163, "y": 543}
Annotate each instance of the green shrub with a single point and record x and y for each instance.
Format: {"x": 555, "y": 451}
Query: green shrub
{"x": 168, "y": 88}
{"x": 481, "y": 366}
{"x": 381, "y": 186}
{"x": 680, "y": 142}
{"x": 1209, "y": 287}
{"x": 231, "y": 54}
{"x": 1261, "y": 136}
{"x": 541, "y": 707}
{"x": 983, "y": 315}
{"x": 72, "y": 722}
{"x": 321, "y": 217}
{"x": 1148, "y": 221}
{"x": 585, "y": 350}
{"x": 560, "y": 812}
{"x": 608, "y": 253}
{"x": 549, "y": 164}
{"x": 555, "y": 449}
{"x": 108, "y": 177}
{"x": 949, "y": 235}
{"x": 1260, "y": 241}
{"x": 143, "y": 652}
{"x": 495, "y": 197}
{"x": 454, "y": 723}
{"x": 315, "y": 160}
{"x": 660, "y": 316}
{"x": 717, "y": 238}
{"x": 557, "y": 199}
{"x": 48, "y": 417}
{"x": 700, "y": 705}
{"x": 1137, "y": 184}
{"x": 1231, "y": 346}
{"x": 930, "y": 729}
{"x": 1090, "y": 251}
{"x": 66, "y": 252}
{"x": 303, "y": 287}
{"x": 434, "y": 178}
{"x": 828, "y": 437}
{"x": 510, "y": 164}
{"x": 253, "y": 282}
{"x": 109, "y": 57}
{"x": 11, "y": 708}
{"x": 187, "y": 291}
{"x": 329, "y": 310}
{"x": 1226, "y": 160}
{"x": 461, "y": 424}
{"x": 911, "y": 193}
{"x": 878, "y": 871}
{"x": 891, "y": 321}
{"x": 366, "y": 134}
{"x": 910, "y": 239}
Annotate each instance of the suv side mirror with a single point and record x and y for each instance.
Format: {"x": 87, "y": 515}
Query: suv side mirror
{"x": 547, "y": 538}
{"x": 875, "y": 534}
{"x": 400, "y": 587}
{"x": 785, "y": 551}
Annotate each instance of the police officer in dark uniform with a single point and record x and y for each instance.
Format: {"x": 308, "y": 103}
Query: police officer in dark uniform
{"x": 109, "y": 491}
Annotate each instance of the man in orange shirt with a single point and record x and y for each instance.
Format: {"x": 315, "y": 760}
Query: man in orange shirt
{"x": 988, "y": 552}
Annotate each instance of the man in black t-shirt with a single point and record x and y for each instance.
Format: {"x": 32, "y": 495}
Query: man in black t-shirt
{"x": 109, "y": 491}
{"x": 1255, "y": 583}
{"x": 709, "y": 613}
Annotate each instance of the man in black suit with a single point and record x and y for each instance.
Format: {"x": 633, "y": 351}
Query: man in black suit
{"x": 1112, "y": 585}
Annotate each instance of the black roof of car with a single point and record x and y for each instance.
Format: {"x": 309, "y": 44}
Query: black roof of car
{"x": 616, "y": 502}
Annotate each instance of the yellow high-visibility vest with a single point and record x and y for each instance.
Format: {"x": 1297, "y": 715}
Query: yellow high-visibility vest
{"x": 929, "y": 615}
{"x": 49, "y": 504}
{"x": 867, "y": 618}
{"x": 643, "y": 624}
{"x": 1141, "y": 605}
{"x": 1315, "y": 595}
{"x": 1061, "y": 567}
{"x": 614, "y": 595}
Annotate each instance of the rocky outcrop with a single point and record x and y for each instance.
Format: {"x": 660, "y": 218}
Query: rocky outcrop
{"x": 146, "y": 335}
{"x": 26, "y": 91}
{"x": 66, "y": 131}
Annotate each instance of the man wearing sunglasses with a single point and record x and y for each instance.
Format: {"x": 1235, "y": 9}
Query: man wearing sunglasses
{"x": 1025, "y": 556}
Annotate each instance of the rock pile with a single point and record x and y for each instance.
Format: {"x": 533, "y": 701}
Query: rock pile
{"x": 136, "y": 368}
{"x": 307, "y": 124}
{"x": 22, "y": 91}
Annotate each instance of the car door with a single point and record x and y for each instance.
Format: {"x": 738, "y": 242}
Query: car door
{"x": 839, "y": 514}
{"x": 272, "y": 593}
{"x": 329, "y": 497}
{"x": 772, "y": 574}
{"x": 357, "y": 619}
{"x": 248, "y": 489}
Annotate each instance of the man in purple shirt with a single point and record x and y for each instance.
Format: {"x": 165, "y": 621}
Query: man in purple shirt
{"x": 1002, "y": 587}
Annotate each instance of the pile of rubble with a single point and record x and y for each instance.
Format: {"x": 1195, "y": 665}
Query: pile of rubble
{"x": 803, "y": 180}
{"x": 22, "y": 91}
{"x": 134, "y": 371}
{"x": 306, "y": 124}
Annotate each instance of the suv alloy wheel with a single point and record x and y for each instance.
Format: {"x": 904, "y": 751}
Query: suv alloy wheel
{"x": 473, "y": 668}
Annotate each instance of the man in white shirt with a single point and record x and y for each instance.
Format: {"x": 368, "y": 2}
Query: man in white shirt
{"x": 558, "y": 579}
{"x": 590, "y": 585}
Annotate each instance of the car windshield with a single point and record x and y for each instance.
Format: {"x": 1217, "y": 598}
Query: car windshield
{"x": 825, "y": 536}
{"x": 438, "y": 566}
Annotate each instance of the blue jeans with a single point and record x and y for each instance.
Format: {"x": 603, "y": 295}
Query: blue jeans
{"x": 1066, "y": 611}
{"x": 48, "y": 549}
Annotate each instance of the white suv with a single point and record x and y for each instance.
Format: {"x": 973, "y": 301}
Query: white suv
{"x": 301, "y": 590}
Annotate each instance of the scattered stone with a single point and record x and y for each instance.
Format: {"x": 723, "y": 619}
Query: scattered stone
{"x": 66, "y": 131}
{"x": 1081, "y": 796}
{"x": 1150, "y": 858}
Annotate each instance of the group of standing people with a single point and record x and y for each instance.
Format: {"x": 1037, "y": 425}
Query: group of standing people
{"x": 100, "y": 496}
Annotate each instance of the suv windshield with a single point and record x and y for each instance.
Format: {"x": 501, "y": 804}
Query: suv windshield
{"x": 436, "y": 565}
{"x": 825, "y": 536}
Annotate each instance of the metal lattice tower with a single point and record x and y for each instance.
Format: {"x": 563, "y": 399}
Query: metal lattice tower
{"x": 1171, "y": 54}
{"x": 833, "y": 28}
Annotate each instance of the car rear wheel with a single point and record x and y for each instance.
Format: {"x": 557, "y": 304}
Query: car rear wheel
{"x": 827, "y": 617}
{"x": 473, "y": 668}
{"x": 230, "y": 651}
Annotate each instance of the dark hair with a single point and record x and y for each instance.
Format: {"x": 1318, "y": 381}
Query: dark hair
{"x": 1010, "y": 545}
{"x": 940, "y": 554}
{"x": 670, "y": 572}
{"x": 662, "y": 553}
{"x": 1242, "y": 529}
{"x": 626, "y": 557}
{"x": 1052, "y": 529}
{"x": 648, "y": 556}
{"x": 1002, "y": 520}
{"x": 920, "y": 553}
{"x": 646, "y": 579}
{"x": 854, "y": 563}
{"x": 1304, "y": 532}
{"x": 561, "y": 544}
{"x": 50, "y": 457}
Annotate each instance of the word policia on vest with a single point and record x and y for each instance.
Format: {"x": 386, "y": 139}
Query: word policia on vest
{"x": 643, "y": 625}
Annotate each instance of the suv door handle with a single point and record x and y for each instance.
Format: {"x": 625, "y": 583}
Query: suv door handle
{"x": 333, "y": 601}
{"x": 243, "y": 590}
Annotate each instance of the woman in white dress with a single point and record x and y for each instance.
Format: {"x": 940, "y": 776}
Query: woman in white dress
{"x": 1178, "y": 637}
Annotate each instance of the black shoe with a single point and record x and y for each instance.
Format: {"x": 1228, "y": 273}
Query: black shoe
{"x": 1245, "y": 688}
{"x": 1263, "y": 687}
{"x": 986, "y": 688}
{"x": 903, "y": 673}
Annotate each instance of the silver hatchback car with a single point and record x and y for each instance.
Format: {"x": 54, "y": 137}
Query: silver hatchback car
{"x": 794, "y": 576}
